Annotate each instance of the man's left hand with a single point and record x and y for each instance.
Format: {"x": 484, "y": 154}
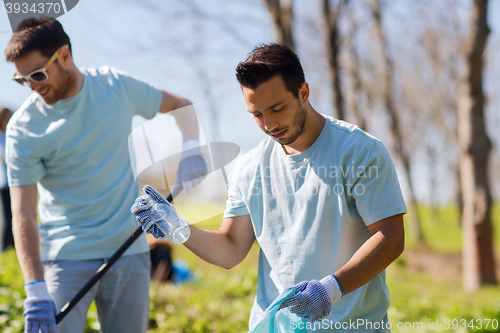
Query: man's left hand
{"x": 313, "y": 300}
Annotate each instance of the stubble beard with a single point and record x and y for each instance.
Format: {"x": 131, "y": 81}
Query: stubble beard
{"x": 298, "y": 123}
{"x": 61, "y": 88}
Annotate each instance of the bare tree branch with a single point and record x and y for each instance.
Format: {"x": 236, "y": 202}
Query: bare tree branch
{"x": 282, "y": 15}
{"x": 396, "y": 127}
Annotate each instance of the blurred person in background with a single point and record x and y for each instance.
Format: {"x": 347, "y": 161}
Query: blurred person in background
{"x": 7, "y": 237}
{"x": 69, "y": 143}
{"x": 161, "y": 260}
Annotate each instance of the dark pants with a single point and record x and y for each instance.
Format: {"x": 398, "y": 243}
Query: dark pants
{"x": 161, "y": 264}
{"x": 7, "y": 238}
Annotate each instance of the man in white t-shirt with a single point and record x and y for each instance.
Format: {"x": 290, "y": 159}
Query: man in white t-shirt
{"x": 69, "y": 143}
{"x": 320, "y": 196}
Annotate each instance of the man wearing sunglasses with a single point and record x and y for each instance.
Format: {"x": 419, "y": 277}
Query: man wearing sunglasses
{"x": 69, "y": 142}
{"x": 38, "y": 75}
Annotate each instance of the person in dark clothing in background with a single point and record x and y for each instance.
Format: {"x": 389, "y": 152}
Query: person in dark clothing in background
{"x": 7, "y": 238}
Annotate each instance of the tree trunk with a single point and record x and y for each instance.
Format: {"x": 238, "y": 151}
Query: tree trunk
{"x": 396, "y": 129}
{"x": 475, "y": 147}
{"x": 460, "y": 196}
{"x": 331, "y": 16}
{"x": 281, "y": 12}
{"x": 357, "y": 82}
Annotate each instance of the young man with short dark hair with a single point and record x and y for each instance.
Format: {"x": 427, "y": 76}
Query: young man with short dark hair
{"x": 69, "y": 142}
{"x": 320, "y": 196}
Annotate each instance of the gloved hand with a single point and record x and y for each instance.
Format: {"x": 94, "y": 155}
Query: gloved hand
{"x": 313, "y": 300}
{"x": 39, "y": 309}
{"x": 142, "y": 211}
{"x": 143, "y": 215}
{"x": 192, "y": 166}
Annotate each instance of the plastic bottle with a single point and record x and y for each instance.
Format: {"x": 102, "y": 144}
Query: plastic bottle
{"x": 175, "y": 228}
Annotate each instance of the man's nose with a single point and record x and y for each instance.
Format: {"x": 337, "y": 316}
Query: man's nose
{"x": 269, "y": 123}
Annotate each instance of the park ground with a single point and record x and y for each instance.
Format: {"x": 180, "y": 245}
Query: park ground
{"x": 425, "y": 285}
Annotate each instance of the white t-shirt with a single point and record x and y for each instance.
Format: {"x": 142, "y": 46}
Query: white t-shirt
{"x": 77, "y": 151}
{"x": 310, "y": 211}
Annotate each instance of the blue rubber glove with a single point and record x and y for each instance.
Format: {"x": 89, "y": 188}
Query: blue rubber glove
{"x": 39, "y": 309}
{"x": 313, "y": 300}
{"x": 192, "y": 166}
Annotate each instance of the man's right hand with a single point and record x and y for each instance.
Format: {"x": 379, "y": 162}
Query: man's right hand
{"x": 142, "y": 211}
{"x": 39, "y": 310}
{"x": 143, "y": 214}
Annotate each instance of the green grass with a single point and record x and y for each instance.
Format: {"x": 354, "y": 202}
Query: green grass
{"x": 417, "y": 297}
{"x": 441, "y": 228}
{"x": 11, "y": 293}
{"x": 442, "y": 231}
{"x": 220, "y": 300}
{"x": 201, "y": 211}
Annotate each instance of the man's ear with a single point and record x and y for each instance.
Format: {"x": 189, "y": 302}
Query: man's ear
{"x": 65, "y": 57}
{"x": 304, "y": 93}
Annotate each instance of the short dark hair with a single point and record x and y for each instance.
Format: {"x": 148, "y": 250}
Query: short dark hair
{"x": 5, "y": 115}
{"x": 267, "y": 61}
{"x": 4, "y": 110}
{"x": 44, "y": 34}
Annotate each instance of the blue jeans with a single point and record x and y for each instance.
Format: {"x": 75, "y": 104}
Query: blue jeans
{"x": 121, "y": 295}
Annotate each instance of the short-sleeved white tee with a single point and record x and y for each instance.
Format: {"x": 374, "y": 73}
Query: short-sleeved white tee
{"x": 77, "y": 152}
{"x": 310, "y": 213}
